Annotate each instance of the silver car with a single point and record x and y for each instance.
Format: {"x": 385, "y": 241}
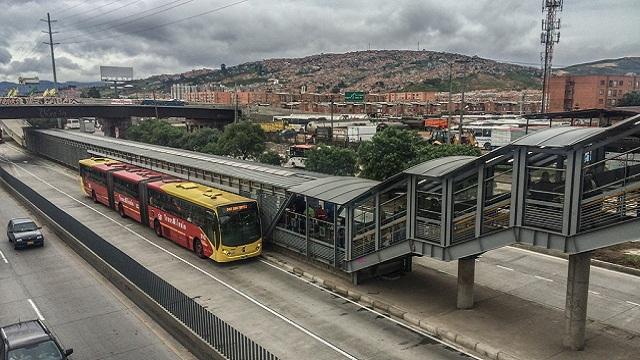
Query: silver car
{"x": 24, "y": 232}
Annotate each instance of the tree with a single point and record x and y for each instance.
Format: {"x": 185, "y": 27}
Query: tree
{"x": 92, "y": 92}
{"x": 156, "y": 132}
{"x": 244, "y": 140}
{"x": 198, "y": 139}
{"x": 270, "y": 157}
{"x": 223, "y": 68}
{"x": 630, "y": 99}
{"x": 389, "y": 152}
{"x": 332, "y": 160}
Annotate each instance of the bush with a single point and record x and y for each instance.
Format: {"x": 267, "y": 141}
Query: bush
{"x": 332, "y": 160}
{"x": 270, "y": 157}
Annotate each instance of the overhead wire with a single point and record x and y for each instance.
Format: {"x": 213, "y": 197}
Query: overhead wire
{"x": 68, "y": 8}
{"x": 89, "y": 10}
{"x": 65, "y": 26}
{"x": 97, "y": 29}
{"x": 164, "y": 24}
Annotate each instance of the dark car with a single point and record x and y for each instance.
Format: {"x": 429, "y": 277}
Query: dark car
{"x": 30, "y": 340}
{"x": 23, "y": 232}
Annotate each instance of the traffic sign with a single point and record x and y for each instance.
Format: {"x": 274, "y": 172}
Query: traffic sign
{"x": 354, "y": 96}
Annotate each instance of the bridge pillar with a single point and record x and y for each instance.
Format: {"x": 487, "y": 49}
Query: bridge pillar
{"x": 575, "y": 311}
{"x": 115, "y": 127}
{"x": 466, "y": 279}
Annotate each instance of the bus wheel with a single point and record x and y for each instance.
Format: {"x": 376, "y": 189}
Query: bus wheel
{"x": 121, "y": 210}
{"x": 197, "y": 248}
{"x": 94, "y": 197}
{"x": 157, "y": 227}
{"x": 487, "y": 146}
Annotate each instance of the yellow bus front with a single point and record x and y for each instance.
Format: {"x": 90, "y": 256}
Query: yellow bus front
{"x": 240, "y": 232}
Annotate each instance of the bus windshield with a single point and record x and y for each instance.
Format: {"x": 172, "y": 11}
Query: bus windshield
{"x": 239, "y": 224}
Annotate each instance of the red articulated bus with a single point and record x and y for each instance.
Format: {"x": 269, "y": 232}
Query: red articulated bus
{"x": 213, "y": 223}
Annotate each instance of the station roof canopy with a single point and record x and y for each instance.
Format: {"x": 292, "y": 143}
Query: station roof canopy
{"x": 440, "y": 167}
{"x": 588, "y": 113}
{"x": 558, "y": 137}
{"x": 336, "y": 189}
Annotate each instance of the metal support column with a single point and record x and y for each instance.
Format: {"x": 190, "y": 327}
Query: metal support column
{"x": 376, "y": 206}
{"x": 466, "y": 279}
{"x": 480, "y": 201}
{"x": 575, "y": 311}
{"x": 306, "y": 228}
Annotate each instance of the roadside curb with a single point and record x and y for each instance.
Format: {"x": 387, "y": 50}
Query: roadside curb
{"x": 598, "y": 263}
{"x": 415, "y": 320}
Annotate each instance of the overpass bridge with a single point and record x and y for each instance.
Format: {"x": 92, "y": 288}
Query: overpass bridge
{"x": 568, "y": 189}
{"x": 119, "y": 115}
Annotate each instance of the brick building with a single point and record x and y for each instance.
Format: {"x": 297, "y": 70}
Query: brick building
{"x": 575, "y": 92}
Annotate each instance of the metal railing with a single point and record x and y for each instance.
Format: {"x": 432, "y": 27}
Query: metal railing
{"x": 228, "y": 341}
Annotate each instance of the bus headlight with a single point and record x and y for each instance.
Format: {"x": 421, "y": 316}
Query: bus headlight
{"x": 257, "y": 247}
{"x": 226, "y": 252}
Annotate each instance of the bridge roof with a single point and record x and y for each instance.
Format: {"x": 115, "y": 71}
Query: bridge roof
{"x": 558, "y": 137}
{"x": 242, "y": 169}
{"x": 336, "y": 189}
{"x": 440, "y": 167}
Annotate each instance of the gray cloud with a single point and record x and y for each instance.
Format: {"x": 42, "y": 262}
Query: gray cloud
{"x": 259, "y": 29}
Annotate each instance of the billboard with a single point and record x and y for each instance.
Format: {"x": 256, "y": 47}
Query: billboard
{"x": 354, "y": 96}
{"x": 116, "y": 73}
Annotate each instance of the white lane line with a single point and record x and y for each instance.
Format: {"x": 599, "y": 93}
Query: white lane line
{"x": 542, "y": 278}
{"x": 594, "y": 292}
{"x": 632, "y": 303}
{"x": 504, "y": 268}
{"x": 228, "y": 286}
{"x": 594, "y": 268}
{"x": 35, "y": 308}
{"x": 3, "y": 258}
{"x": 405, "y": 325}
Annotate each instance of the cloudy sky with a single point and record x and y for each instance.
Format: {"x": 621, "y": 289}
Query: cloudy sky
{"x": 169, "y": 36}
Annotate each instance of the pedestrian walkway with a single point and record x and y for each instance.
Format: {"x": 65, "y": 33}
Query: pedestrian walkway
{"x": 525, "y": 329}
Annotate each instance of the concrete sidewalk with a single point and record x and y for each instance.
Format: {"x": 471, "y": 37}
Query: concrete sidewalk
{"x": 501, "y": 326}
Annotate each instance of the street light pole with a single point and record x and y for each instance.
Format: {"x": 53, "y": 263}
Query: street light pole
{"x": 464, "y": 84}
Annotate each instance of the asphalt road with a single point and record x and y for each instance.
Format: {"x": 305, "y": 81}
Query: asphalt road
{"x": 614, "y": 297}
{"x": 291, "y": 318}
{"x": 85, "y": 311}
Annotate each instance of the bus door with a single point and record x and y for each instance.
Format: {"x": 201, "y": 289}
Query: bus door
{"x": 211, "y": 229}
{"x": 143, "y": 199}
{"x": 110, "y": 187}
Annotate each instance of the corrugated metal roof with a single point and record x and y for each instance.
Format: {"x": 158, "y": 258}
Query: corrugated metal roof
{"x": 242, "y": 169}
{"x": 336, "y": 189}
{"x": 440, "y": 167}
{"x": 558, "y": 137}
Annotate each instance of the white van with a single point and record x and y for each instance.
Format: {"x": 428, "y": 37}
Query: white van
{"x": 73, "y": 124}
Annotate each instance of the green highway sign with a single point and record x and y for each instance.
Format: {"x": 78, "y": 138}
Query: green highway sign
{"x": 354, "y": 96}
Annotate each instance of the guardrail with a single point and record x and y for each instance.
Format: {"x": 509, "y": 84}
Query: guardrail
{"x": 228, "y": 341}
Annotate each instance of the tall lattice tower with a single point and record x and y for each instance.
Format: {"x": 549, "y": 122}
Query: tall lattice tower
{"x": 549, "y": 37}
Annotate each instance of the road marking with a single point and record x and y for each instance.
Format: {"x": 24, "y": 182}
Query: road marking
{"x": 542, "y": 278}
{"x": 632, "y": 303}
{"x": 504, "y": 268}
{"x": 3, "y": 258}
{"x": 33, "y": 305}
{"x": 595, "y": 268}
{"x": 228, "y": 286}
{"x": 405, "y": 325}
{"x": 594, "y": 292}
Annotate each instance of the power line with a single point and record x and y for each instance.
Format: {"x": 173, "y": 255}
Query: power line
{"x": 164, "y": 24}
{"x": 89, "y": 10}
{"x": 132, "y": 20}
{"x": 70, "y": 7}
{"x": 101, "y": 14}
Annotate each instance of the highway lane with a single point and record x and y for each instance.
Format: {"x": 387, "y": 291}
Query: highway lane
{"x": 81, "y": 307}
{"x": 309, "y": 320}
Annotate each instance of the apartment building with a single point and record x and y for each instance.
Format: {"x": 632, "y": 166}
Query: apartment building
{"x": 575, "y": 92}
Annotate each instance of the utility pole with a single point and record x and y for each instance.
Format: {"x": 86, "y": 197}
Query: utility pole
{"x": 464, "y": 84}
{"x": 235, "y": 111}
{"x": 51, "y": 44}
{"x": 449, "y": 119}
{"x": 549, "y": 37}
